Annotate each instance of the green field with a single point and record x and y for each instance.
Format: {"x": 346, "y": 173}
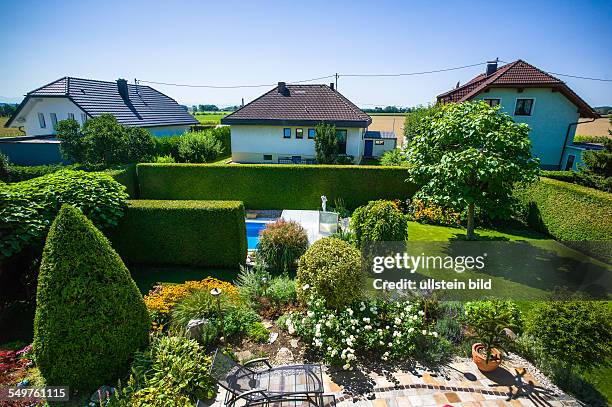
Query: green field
{"x": 8, "y": 132}
{"x": 208, "y": 118}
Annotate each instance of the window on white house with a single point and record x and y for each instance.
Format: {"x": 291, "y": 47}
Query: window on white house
{"x": 311, "y": 134}
{"x": 53, "y": 120}
{"x": 267, "y": 157}
{"x": 380, "y": 142}
{"x": 41, "y": 120}
{"x": 286, "y": 132}
{"x": 83, "y": 118}
{"x": 492, "y": 102}
{"x": 71, "y": 116}
{"x": 341, "y": 136}
{"x": 523, "y": 107}
{"x": 299, "y": 133}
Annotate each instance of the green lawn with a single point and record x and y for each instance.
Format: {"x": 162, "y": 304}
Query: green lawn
{"x": 210, "y": 117}
{"x": 523, "y": 265}
{"x": 8, "y": 132}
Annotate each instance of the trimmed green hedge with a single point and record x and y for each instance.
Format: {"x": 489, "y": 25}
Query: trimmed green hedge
{"x": 193, "y": 233}
{"x": 269, "y": 186}
{"x": 126, "y": 175}
{"x": 568, "y": 212}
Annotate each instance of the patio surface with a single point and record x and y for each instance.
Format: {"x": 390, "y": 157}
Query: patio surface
{"x": 458, "y": 384}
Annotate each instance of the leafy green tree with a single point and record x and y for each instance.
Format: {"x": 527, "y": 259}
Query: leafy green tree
{"x": 194, "y": 108}
{"x": 72, "y": 144}
{"x": 414, "y": 118}
{"x": 471, "y": 155}
{"x": 326, "y": 144}
{"x": 395, "y": 157}
{"x": 103, "y": 140}
{"x": 599, "y": 162}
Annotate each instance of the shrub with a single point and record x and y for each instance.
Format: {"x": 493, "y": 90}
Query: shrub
{"x": 194, "y": 233}
{"x": 104, "y": 140}
{"x": 282, "y": 291}
{"x": 379, "y": 221}
{"x": 391, "y": 329}
{"x": 27, "y": 208}
{"x": 393, "y": 158}
{"x": 223, "y": 135}
{"x": 199, "y": 147}
{"x": 4, "y": 168}
{"x": 281, "y": 243}
{"x": 251, "y": 283}
{"x": 574, "y": 334}
{"x": 90, "y": 316}
{"x": 567, "y": 212}
{"x": 488, "y": 320}
{"x": 174, "y": 371}
{"x": 330, "y": 268}
{"x": 326, "y": 144}
{"x": 433, "y": 214}
{"x": 269, "y": 186}
{"x": 167, "y": 146}
{"x": 164, "y": 159}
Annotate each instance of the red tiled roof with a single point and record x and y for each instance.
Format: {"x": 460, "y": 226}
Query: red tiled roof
{"x": 515, "y": 74}
{"x": 300, "y": 105}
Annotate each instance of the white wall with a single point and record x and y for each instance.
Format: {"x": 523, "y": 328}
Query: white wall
{"x": 60, "y": 106}
{"x": 250, "y": 143}
{"x": 166, "y": 131}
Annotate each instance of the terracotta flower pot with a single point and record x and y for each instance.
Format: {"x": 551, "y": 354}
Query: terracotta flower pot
{"x": 481, "y": 360}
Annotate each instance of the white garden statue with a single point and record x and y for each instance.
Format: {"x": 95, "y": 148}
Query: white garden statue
{"x": 324, "y": 203}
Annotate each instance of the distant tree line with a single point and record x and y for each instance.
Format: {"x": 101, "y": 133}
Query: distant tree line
{"x": 7, "y": 109}
{"x": 603, "y": 109}
{"x": 390, "y": 109}
{"x": 212, "y": 108}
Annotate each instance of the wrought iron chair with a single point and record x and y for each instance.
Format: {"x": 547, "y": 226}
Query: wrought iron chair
{"x": 276, "y": 385}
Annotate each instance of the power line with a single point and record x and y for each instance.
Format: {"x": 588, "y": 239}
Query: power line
{"x": 231, "y": 86}
{"x": 416, "y": 73}
{"x": 573, "y": 76}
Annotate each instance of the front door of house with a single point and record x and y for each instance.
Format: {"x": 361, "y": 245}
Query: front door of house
{"x": 369, "y": 146}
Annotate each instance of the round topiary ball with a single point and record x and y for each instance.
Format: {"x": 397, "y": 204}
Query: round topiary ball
{"x": 379, "y": 221}
{"x": 331, "y": 268}
{"x": 90, "y": 316}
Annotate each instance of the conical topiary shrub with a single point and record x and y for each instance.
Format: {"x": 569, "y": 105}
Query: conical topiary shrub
{"x": 90, "y": 316}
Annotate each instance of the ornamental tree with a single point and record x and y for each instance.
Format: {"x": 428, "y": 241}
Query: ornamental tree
{"x": 326, "y": 144}
{"x": 471, "y": 155}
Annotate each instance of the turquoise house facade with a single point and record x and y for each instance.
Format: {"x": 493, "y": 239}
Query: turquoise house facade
{"x": 550, "y": 108}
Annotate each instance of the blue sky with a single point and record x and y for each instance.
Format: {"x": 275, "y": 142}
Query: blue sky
{"x": 235, "y": 43}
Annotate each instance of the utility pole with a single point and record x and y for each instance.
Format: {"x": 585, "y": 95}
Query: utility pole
{"x": 336, "y": 80}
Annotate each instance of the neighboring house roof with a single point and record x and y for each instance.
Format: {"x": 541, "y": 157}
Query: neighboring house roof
{"x": 375, "y": 134}
{"x": 143, "y": 107}
{"x": 300, "y": 105}
{"x": 517, "y": 74}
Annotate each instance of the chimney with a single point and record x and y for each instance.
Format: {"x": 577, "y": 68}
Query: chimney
{"x": 491, "y": 67}
{"x": 282, "y": 88}
{"x": 331, "y": 85}
{"x": 123, "y": 90}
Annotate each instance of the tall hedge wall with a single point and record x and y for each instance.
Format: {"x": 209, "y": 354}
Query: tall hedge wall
{"x": 192, "y": 233}
{"x": 126, "y": 175}
{"x": 567, "y": 211}
{"x": 270, "y": 186}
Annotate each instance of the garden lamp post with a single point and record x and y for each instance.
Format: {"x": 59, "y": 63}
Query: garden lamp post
{"x": 216, "y": 293}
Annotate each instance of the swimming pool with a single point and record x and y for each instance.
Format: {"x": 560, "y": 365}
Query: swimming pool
{"x": 253, "y": 228}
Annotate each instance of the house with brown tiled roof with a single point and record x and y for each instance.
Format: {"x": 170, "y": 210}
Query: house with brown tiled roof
{"x": 279, "y": 126}
{"x": 550, "y": 108}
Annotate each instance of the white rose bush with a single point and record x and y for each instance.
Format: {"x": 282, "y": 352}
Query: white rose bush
{"x": 388, "y": 329}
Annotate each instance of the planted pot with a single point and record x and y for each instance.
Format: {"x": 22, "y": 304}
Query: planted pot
{"x": 479, "y": 356}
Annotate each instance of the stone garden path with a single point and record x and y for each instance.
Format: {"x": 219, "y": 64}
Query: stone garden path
{"x": 458, "y": 384}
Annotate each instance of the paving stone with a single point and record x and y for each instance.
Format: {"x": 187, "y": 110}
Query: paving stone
{"x": 403, "y": 401}
{"x": 415, "y": 401}
{"x": 452, "y": 397}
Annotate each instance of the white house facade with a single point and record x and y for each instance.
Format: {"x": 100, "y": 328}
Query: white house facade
{"x": 81, "y": 99}
{"x": 279, "y": 126}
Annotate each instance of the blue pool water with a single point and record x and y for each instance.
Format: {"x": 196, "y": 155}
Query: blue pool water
{"x": 253, "y": 227}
